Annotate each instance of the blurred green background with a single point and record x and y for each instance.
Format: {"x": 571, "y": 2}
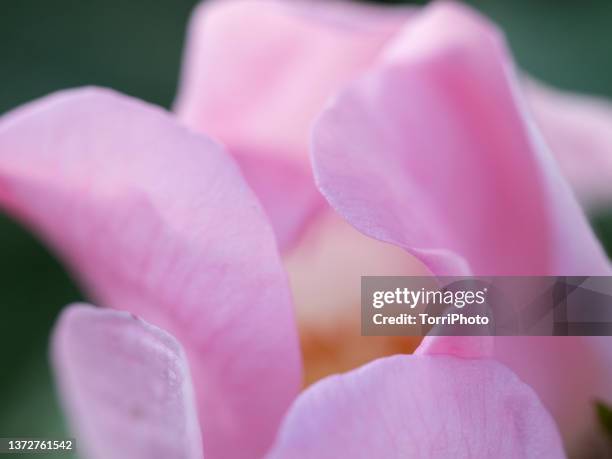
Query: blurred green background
{"x": 135, "y": 46}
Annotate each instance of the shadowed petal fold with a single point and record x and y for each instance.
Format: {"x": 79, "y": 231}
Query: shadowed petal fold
{"x": 419, "y": 407}
{"x": 157, "y": 220}
{"x": 126, "y": 386}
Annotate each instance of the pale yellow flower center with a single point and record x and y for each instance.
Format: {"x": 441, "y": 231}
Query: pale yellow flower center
{"x": 325, "y": 270}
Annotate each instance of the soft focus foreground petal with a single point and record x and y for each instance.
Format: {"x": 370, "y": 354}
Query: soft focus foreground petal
{"x": 256, "y": 73}
{"x": 578, "y": 129}
{"x": 157, "y": 220}
{"x": 419, "y": 407}
{"x": 433, "y": 151}
{"x": 126, "y": 386}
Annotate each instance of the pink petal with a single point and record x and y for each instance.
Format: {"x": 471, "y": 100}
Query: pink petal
{"x": 569, "y": 374}
{"x": 257, "y": 73}
{"x": 419, "y": 407}
{"x": 467, "y": 347}
{"x": 127, "y": 386}
{"x": 287, "y": 192}
{"x": 579, "y": 131}
{"x": 157, "y": 220}
{"x": 432, "y": 151}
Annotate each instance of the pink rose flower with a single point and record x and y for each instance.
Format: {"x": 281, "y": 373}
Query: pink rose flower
{"x": 511, "y": 214}
{"x": 157, "y": 220}
{"x": 428, "y": 146}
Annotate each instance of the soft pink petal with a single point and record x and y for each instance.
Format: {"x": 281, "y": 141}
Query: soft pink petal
{"x": 419, "y": 407}
{"x": 433, "y": 151}
{"x": 287, "y": 192}
{"x": 467, "y": 347}
{"x": 157, "y": 220}
{"x": 127, "y": 387}
{"x": 579, "y": 131}
{"x": 257, "y": 73}
{"x": 569, "y": 374}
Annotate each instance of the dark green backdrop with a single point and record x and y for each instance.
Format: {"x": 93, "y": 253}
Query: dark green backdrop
{"x": 135, "y": 47}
